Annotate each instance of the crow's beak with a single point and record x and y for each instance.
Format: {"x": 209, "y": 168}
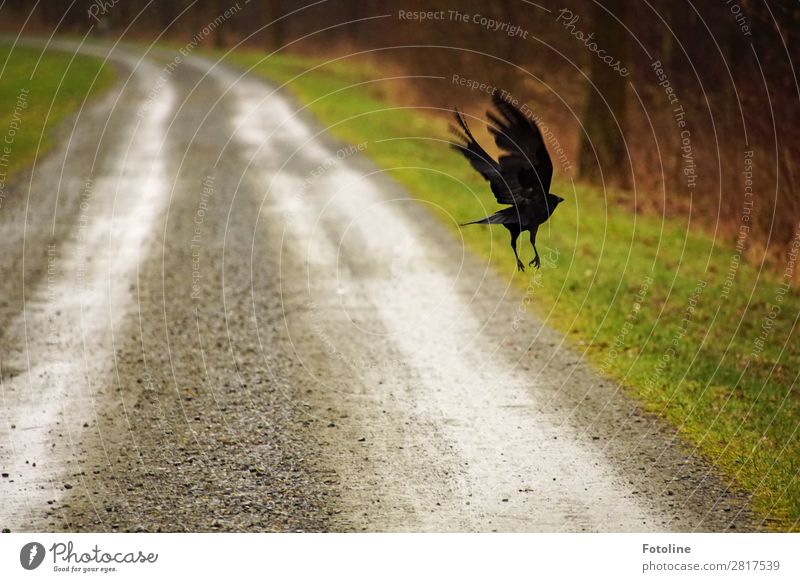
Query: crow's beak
{"x": 560, "y": 199}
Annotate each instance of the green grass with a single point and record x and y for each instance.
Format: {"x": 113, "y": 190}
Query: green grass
{"x": 51, "y": 89}
{"x": 738, "y": 404}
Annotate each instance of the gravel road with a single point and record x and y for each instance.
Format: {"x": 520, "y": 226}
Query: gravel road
{"x": 214, "y": 317}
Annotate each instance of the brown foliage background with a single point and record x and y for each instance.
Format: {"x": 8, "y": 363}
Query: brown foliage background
{"x": 737, "y": 85}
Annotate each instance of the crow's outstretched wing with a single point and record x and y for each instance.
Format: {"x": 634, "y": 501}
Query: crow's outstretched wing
{"x": 525, "y": 166}
{"x": 472, "y": 150}
{"x": 506, "y": 192}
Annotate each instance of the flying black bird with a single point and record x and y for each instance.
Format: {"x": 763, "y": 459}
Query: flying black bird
{"x": 520, "y": 178}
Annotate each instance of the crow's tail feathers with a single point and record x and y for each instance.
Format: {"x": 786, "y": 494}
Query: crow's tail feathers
{"x": 481, "y": 221}
{"x": 501, "y": 217}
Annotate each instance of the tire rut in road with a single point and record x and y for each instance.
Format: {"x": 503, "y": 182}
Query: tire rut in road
{"x": 185, "y": 430}
{"x": 214, "y": 444}
{"x": 76, "y": 269}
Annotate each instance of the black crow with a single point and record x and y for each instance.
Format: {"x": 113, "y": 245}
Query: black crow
{"x": 520, "y": 178}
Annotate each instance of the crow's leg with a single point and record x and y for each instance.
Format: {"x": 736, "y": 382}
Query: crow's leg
{"x": 514, "y": 230}
{"x": 536, "y": 262}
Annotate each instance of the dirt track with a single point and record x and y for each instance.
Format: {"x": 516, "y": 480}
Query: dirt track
{"x": 231, "y": 322}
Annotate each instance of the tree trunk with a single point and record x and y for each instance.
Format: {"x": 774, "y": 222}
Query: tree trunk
{"x": 602, "y": 150}
{"x": 219, "y": 32}
{"x": 274, "y": 31}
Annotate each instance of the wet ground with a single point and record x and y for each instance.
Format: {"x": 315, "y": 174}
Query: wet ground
{"x": 216, "y": 318}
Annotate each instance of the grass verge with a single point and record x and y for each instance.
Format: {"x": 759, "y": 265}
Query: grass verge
{"x": 693, "y": 333}
{"x": 37, "y": 91}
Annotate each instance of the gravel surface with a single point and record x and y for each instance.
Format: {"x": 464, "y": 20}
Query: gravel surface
{"x": 253, "y": 329}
